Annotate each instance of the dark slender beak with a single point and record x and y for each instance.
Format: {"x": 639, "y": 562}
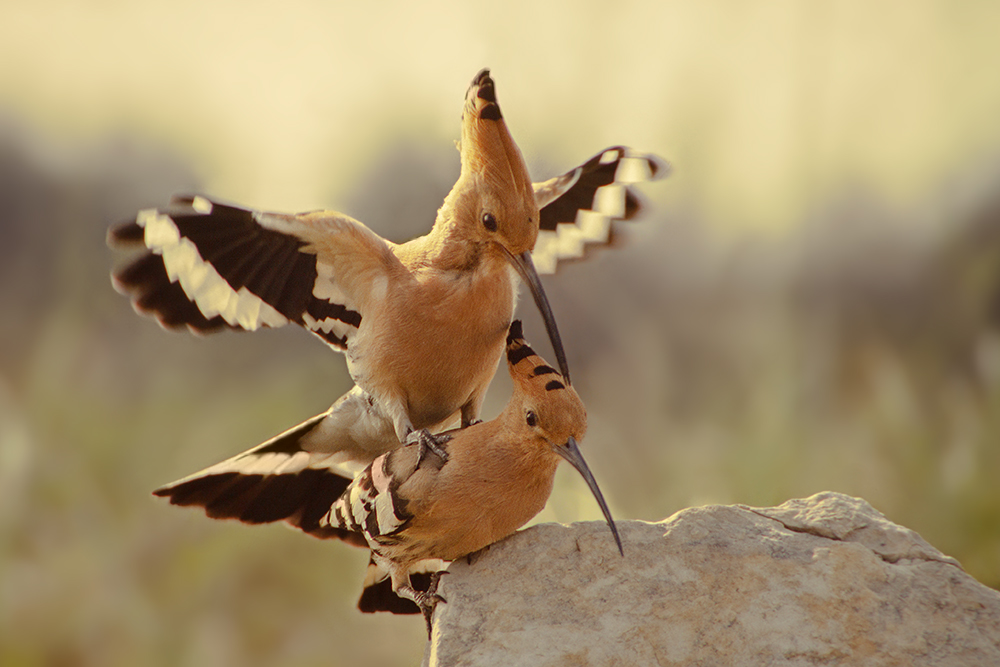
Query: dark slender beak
{"x": 571, "y": 453}
{"x": 526, "y": 268}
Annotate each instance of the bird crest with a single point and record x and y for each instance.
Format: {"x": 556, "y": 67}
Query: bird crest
{"x": 525, "y": 364}
{"x": 493, "y": 199}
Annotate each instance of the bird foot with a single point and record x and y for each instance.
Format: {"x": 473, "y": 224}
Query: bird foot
{"x": 476, "y": 555}
{"x": 429, "y": 443}
{"x": 427, "y": 600}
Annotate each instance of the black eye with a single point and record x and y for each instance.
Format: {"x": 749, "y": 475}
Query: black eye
{"x": 530, "y": 418}
{"x": 489, "y": 222}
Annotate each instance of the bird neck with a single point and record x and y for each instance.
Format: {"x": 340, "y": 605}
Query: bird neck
{"x": 533, "y": 465}
{"x": 447, "y": 248}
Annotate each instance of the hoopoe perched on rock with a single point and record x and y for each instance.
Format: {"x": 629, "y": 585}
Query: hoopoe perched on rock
{"x": 422, "y": 324}
{"x": 413, "y": 507}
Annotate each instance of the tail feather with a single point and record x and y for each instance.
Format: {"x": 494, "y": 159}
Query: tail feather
{"x": 275, "y": 481}
{"x": 377, "y": 594}
{"x": 300, "y": 498}
{"x": 296, "y": 476}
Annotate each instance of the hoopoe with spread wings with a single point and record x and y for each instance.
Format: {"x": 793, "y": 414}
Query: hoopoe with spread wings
{"x": 497, "y": 475}
{"x": 422, "y": 323}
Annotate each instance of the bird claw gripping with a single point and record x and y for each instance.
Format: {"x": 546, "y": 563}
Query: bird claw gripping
{"x": 429, "y": 443}
{"x": 431, "y": 600}
{"x": 427, "y": 600}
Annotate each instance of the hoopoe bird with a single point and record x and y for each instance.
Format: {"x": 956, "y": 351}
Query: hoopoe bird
{"x": 497, "y": 475}
{"x": 418, "y": 510}
{"x": 422, "y": 324}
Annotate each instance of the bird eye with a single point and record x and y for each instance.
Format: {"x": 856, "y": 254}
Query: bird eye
{"x": 489, "y": 222}
{"x": 530, "y": 418}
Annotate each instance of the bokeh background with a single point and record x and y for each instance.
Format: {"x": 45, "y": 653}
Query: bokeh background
{"x": 811, "y": 302}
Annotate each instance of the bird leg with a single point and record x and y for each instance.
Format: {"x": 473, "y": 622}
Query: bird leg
{"x": 432, "y": 585}
{"x": 426, "y": 600}
{"x": 432, "y": 591}
{"x": 429, "y": 443}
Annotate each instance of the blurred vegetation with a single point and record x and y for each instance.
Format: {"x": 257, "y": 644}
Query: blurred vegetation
{"x": 860, "y": 353}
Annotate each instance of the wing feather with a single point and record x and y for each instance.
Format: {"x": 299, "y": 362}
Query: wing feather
{"x": 579, "y": 207}
{"x": 210, "y": 266}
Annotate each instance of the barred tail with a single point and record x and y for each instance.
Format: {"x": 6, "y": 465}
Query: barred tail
{"x": 276, "y": 481}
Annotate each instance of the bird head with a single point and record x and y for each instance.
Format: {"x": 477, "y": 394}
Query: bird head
{"x": 494, "y": 190}
{"x": 547, "y": 408}
{"x": 492, "y": 206}
{"x": 549, "y": 405}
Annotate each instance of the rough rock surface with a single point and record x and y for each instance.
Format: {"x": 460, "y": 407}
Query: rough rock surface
{"x": 826, "y": 580}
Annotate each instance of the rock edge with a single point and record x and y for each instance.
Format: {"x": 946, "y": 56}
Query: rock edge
{"x": 822, "y": 580}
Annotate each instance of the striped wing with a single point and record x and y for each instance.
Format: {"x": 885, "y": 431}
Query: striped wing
{"x": 210, "y": 266}
{"x": 372, "y": 504}
{"x": 578, "y": 208}
{"x": 284, "y": 479}
{"x": 295, "y": 476}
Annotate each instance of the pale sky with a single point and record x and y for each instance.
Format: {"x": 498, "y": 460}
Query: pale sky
{"x": 766, "y": 109}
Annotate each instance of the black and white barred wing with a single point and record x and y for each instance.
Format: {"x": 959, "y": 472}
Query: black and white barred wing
{"x": 372, "y": 504}
{"x": 210, "y": 266}
{"x": 578, "y": 208}
{"x": 287, "y": 478}
{"x": 295, "y": 476}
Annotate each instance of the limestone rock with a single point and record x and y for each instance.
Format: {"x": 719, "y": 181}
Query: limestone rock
{"x": 825, "y": 580}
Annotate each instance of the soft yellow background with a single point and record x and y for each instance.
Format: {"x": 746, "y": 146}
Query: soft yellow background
{"x": 806, "y": 306}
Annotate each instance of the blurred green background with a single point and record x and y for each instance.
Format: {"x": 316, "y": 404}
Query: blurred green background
{"x": 812, "y": 301}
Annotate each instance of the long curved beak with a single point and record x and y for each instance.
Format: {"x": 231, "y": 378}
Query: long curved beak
{"x": 571, "y": 452}
{"x": 526, "y": 269}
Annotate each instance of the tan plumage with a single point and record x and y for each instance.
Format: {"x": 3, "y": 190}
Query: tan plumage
{"x": 413, "y": 506}
{"x": 422, "y": 323}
